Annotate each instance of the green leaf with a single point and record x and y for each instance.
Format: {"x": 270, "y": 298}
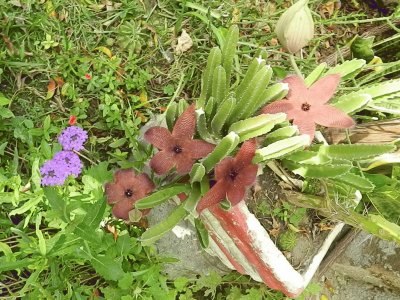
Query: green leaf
{"x": 348, "y": 69}
{"x": 155, "y": 232}
{"x": 356, "y": 181}
{"x": 4, "y": 100}
{"x": 387, "y": 230}
{"x": 28, "y": 205}
{"x": 118, "y": 143}
{"x": 229, "y": 50}
{"x": 94, "y": 215}
{"x": 100, "y": 172}
{"x": 162, "y": 195}
{"x": 381, "y": 160}
{"x": 7, "y": 252}
{"x": 202, "y": 233}
{"x": 15, "y": 265}
{"x": 315, "y": 74}
{"x": 107, "y": 267}
{"x": 219, "y": 89}
{"x": 3, "y": 147}
{"x": 281, "y": 148}
{"x": 171, "y": 114}
{"x": 126, "y": 281}
{"x": 309, "y": 157}
{"x": 6, "y": 113}
{"x": 317, "y": 171}
{"x": 197, "y": 173}
{"x": 223, "y": 149}
{"x": 386, "y": 200}
{"x": 280, "y": 134}
{"x": 257, "y": 125}
{"x": 214, "y": 59}
{"x": 352, "y": 103}
{"x": 387, "y": 104}
{"x": 222, "y": 114}
{"x": 381, "y": 89}
{"x": 356, "y": 151}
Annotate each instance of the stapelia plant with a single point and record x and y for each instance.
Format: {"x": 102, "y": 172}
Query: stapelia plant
{"x": 125, "y": 190}
{"x": 307, "y": 106}
{"x": 177, "y": 149}
{"x": 232, "y": 175}
{"x": 237, "y": 138}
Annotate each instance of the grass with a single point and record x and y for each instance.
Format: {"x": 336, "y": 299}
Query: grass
{"x": 116, "y": 68}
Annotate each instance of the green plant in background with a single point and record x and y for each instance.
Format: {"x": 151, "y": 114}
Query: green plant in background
{"x": 60, "y": 242}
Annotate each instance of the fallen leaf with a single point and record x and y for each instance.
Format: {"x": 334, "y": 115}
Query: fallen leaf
{"x": 51, "y": 88}
{"x": 50, "y": 9}
{"x": 184, "y": 42}
{"x": 113, "y": 230}
{"x": 273, "y": 42}
{"x": 274, "y": 232}
{"x": 327, "y": 9}
{"x": 8, "y": 43}
{"x": 59, "y": 81}
{"x": 105, "y": 50}
{"x": 141, "y": 116}
{"x": 143, "y": 98}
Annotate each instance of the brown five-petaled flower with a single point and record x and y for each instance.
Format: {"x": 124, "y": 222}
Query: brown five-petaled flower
{"x": 178, "y": 149}
{"x": 307, "y": 106}
{"x": 126, "y": 189}
{"x": 233, "y": 176}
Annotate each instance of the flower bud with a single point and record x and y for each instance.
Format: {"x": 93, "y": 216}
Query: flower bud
{"x": 295, "y": 28}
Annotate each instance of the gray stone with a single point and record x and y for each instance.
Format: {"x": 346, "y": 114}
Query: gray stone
{"x": 369, "y": 268}
{"x": 182, "y": 244}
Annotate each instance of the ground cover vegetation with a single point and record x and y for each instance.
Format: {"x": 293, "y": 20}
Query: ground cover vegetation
{"x": 109, "y": 67}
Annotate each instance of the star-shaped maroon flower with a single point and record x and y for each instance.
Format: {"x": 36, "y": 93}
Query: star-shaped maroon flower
{"x": 233, "y": 176}
{"x": 126, "y": 189}
{"x": 307, "y": 106}
{"x": 177, "y": 149}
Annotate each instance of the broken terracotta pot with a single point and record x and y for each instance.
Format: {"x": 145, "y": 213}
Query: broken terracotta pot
{"x": 242, "y": 244}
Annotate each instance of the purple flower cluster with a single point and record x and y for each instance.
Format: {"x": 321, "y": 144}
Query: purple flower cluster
{"x": 66, "y": 162}
{"x": 73, "y": 138}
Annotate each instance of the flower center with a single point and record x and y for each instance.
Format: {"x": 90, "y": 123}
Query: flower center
{"x": 233, "y": 173}
{"x": 305, "y": 106}
{"x": 177, "y": 149}
{"x": 128, "y": 193}
{"x": 74, "y": 137}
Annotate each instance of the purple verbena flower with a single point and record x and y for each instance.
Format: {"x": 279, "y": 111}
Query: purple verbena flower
{"x": 52, "y": 174}
{"x": 68, "y": 161}
{"x": 72, "y": 138}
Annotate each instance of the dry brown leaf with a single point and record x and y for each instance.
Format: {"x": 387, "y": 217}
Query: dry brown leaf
{"x": 327, "y": 9}
{"x": 113, "y": 230}
{"x": 184, "y": 42}
{"x": 51, "y": 88}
